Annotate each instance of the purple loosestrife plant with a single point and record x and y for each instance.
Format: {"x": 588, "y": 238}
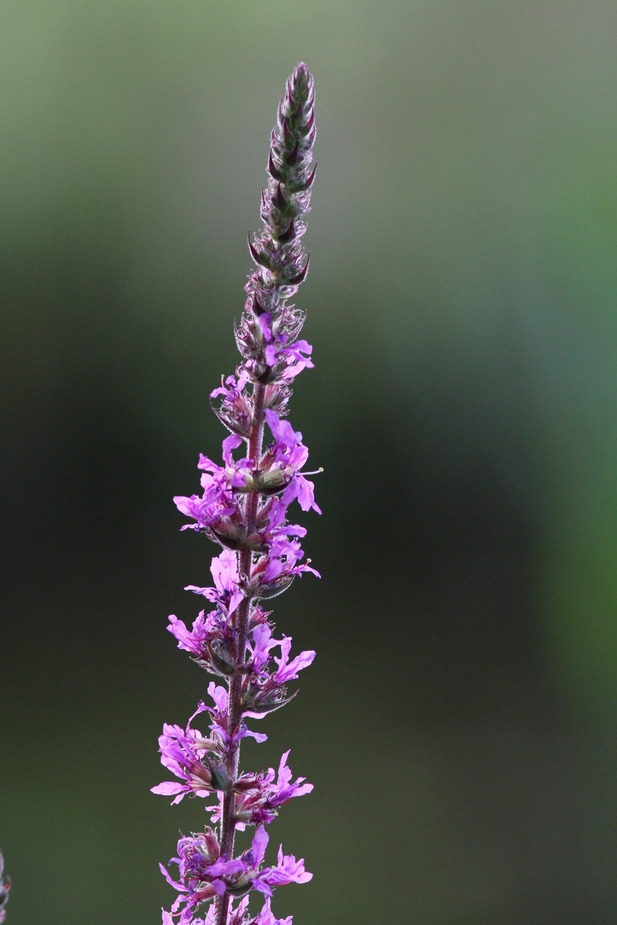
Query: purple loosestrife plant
{"x": 244, "y": 508}
{"x": 5, "y": 886}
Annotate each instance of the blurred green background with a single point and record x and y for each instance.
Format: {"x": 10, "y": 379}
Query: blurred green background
{"x": 460, "y": 720}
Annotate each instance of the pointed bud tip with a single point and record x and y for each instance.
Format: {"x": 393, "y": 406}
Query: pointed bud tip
{"x": 301, "y": 276}
{"x": 301, "y": 72}
{"x": 301, "y": 80}
{"x": 260, "y": 258}
{"x": 272, "y": 170}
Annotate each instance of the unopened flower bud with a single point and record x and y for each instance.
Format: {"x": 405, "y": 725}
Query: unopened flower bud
{"x": 221, "y": 659}
{"x": 221, "y": 780}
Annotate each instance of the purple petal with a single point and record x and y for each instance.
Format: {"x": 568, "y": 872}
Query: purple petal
{"x": 282, "y": 431}
{"x": 230, "y": 443}
{"x": 258, "y": 736}
{"x": 168, "y": 788}
{"x": 260, "y": 843}
{"x": 265, "y": 319}
{"x": 177, "y": 886}
{"x": 262, "y": 886}
{"x": 219, "y": 695}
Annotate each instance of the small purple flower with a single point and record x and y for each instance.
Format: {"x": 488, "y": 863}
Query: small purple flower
{"x": 264, "y": 691}
{"x": 263, "y": 645}
{"x": 204, "y": 873}
{"x": 232, "y": 475}
{"x": 284, "y": 789}
{"x": 295, "y": 357}
{"x": 282, "y": 464}
{"x": 194, "y": 641}
{"x": 287, "y": 870}
{"x": 259, "y": 798}
{"x": 236, "y": 410}
{"x": 183, "y": 752}
{"x": 212, "y": 641}
{"x": 219, "y": 714}
{"x": 219, "y": 724}
{"x": 226, "y": 593}
{"x": 215, "y": 510}
{"x": 289, "y": 671}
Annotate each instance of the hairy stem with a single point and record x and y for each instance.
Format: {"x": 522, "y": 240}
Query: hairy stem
{"x": 228, "y": 825}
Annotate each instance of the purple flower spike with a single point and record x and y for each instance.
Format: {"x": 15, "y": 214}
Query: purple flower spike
{"x": 243, "y": 507}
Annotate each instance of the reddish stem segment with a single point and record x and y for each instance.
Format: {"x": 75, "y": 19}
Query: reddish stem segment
{"x": 234, "y": 708}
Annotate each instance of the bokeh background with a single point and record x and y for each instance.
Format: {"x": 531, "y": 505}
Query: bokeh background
{"x": 460, "y": 720}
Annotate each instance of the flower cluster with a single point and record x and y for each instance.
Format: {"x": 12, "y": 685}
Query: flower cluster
{"x": 204, "y": 873}
{"x": 244, "y": 508}
{"x": 5, "y": 886}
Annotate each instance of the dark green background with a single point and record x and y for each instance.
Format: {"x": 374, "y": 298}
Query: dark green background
{"x": 460, "y": 719}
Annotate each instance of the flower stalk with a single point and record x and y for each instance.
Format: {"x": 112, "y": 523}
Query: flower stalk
{"x": 244, "y": 509}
